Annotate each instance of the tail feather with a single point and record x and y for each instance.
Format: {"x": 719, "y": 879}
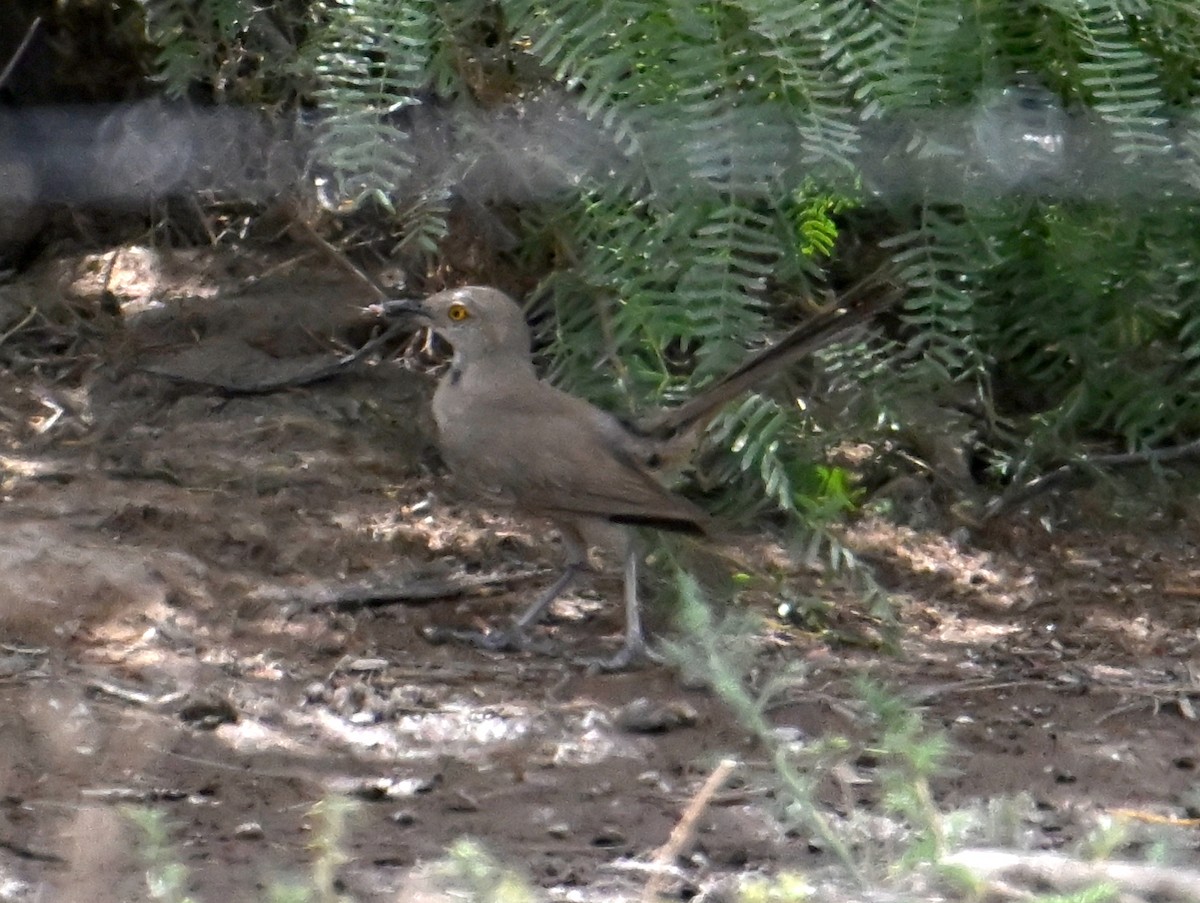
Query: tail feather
{"x": 807, "y": 338}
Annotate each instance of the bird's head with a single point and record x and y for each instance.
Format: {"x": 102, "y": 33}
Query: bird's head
{"x": 475, "y": 320}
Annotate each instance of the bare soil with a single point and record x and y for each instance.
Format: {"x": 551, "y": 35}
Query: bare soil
{"x": 169, "y": 557}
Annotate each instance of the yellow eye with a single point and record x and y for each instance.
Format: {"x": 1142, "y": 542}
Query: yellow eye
{"x": 458, "y": 312}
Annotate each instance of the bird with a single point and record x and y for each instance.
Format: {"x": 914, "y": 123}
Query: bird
{"x": 519, "y": 442}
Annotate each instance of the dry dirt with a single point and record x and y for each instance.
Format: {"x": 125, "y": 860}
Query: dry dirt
{"x": 169, "y": 554}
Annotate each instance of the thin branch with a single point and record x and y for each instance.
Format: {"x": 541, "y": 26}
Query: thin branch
{"x": 303, "y": 377}
{"x": 309, "y": 234}
{"x": 20, "y": 51}
{"x": 413, "y": 590}
{"x": 33, "y": 312}
{"x": 1062, "y": 875}
{"x": 1019, "y": 494}
{"x": 685, "y": 830}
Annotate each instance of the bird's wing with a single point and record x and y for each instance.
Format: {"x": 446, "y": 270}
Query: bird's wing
{"x": 543, "y": 450}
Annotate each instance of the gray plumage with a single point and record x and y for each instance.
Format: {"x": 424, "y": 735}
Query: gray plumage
{"x": 518, "y": 441}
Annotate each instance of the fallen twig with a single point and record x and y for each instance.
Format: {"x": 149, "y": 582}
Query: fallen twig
{"x": 375, "y": 593}
{"x": 685, "y": 830}
{"x": 302, "y": 376}
{"x": 33, "y": 311}
{"x": 305, "y": 375}
{"x": 1061, "y": 874}
{"x": 20, "y": 51}
{"x": 263, "y": 275}
{"x": 308, "y": 233}
{"x": 1154, "y": 818}
{"x": 33, "y": 855}
{"x": 1018, "y": 494}
{"x": 134, "y": 794}
{"x": 135, "y": 697}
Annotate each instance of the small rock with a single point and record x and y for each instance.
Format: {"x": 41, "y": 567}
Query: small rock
{"x": 608, "y": 836}
{"x": 250, "y": 830}
{"x": 654, "y": 779}
{"x": 372, "y": 790}
{"x": 788, "y": 734}
{"x": 644, "y": 716}
{"x": 599, "y": 791}
{"x": 377, "y": 789}
{"x": 403, "y": 817}
{"x": 208, "y": 713}
{"x": 560, "y": 830}
{"x": 460, "y": 802}
{"x": 408, "y": 787}
{"x": 368, "y": 664}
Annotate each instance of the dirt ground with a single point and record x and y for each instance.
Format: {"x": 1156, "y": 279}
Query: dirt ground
{"x": 170, "y": 558}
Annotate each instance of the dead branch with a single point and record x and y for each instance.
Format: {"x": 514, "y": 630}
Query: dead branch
{"x": 1019, "y": 494}
{"x": 415, "y": 590}
{"x": 1063, "y": 875}
{"x": 33, "y": 311}
{"x": 302, "y": 229}
{"x": 23, "y": 852}
{"x": 293, "y": 377}
{"x": 20, "y": 51}
{"x": 685, "y": 830}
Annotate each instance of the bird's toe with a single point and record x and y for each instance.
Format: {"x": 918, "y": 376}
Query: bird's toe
{"x": 630, "y": 656}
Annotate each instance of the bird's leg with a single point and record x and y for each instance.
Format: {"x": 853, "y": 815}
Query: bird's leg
{"x": 634, "y": 649}
{"x": 515, "y": 637}
{"x": 577, "y": 562}
{"x": 534, "y": 612}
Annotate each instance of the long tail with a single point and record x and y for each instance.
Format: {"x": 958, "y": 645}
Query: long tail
{"x": 859, "y": 304}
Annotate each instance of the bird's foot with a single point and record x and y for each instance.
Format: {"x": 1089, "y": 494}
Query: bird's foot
{"x": 633, "y": 654}
{"x": 511, "y": 640}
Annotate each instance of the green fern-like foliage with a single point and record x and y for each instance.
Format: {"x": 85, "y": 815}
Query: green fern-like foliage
{"x": 723, "y": 113}
{"x": 1121, "y": 81}
{"x": 741, "y": 126}
{"x": 1117, "y": 346}
{"x": 232, "y": 51}
{"x": 1031, "y": 170}
{"x": 373, "y": 58}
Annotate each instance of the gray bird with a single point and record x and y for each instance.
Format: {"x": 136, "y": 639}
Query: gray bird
{"x": 518, "y": 441}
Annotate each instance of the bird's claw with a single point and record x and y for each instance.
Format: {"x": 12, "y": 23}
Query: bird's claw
{"x": 631, "y": 655}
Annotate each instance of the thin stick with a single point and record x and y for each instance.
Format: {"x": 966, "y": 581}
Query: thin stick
{"x": 303, "y": 377}
{"x": 1060, "y": 874}
{"x": 20, "y": 51}
{"x": 308, "y": 233}
{"x": 1019, "y": 494}
{"x": 33, "y": 311}
{"x": 683, "y": 832}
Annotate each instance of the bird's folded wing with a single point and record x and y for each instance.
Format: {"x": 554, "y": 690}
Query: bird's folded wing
{"x": 552, "y": 453}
